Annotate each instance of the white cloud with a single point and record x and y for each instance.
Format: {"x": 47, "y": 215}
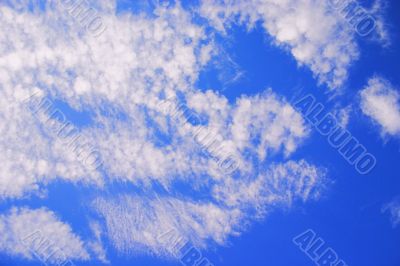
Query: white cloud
{"x": 312, "y": 31}
{"x": 343, "y": 114}
{"x": 394, "y": 209}
{"x": 381, "y": 102}
{"x": 130, "y": 65}
{"x": 136, "y": 224}
{"x": 122, "y": 78}
{"x": 378, "y": 11}
{"x": 280, "y": 184}
{"x": 96, "y": 245}
{"x": 39, "y": 234}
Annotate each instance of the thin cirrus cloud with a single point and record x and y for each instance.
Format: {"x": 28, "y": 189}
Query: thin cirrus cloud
{"x": 122, "y": 78}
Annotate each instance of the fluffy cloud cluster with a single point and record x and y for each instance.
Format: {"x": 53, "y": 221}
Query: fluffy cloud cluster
{"x": 122, "y": 79}
{"x": 381, "y": 102}
{"x": 133, "y": 64}
{"x": 317, "y": 35}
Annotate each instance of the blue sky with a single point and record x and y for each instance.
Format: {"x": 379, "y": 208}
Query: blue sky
{"x": 115, "y": 134}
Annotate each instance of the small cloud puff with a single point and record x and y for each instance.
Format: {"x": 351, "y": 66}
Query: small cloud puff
{"x": 394, "y": 210}
{"x": 380, "y": 101}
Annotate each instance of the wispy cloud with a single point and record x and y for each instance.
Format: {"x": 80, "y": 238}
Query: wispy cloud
{"x": 135, "y": 223}
{"x": 393, "y": 208}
